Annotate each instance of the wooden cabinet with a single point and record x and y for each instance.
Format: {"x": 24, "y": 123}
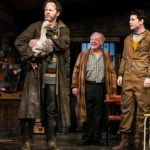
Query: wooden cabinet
{"x": 9, "y": 106}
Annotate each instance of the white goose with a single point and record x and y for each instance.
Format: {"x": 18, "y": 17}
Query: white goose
{"x": 44, "y": 44}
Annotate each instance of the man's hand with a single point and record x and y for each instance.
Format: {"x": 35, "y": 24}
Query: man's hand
{"x": 34, "y": 65}
{"x": 119, "y": 81}
{"x": 75, "y": 91}
{"x": 147, "y": 82}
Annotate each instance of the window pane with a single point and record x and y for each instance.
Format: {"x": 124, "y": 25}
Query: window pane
{"x": 83, "y": 46}
{"x": 112, "y": 49}
{"x": 88, "y": 45}
{"x": 106, "y": 47}
{"x": 113, "y": 61}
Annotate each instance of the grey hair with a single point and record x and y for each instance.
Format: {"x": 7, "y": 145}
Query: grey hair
{"x": 102, "y": 35}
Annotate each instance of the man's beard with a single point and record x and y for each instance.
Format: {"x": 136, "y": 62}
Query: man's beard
{"x": 51, "y": 19}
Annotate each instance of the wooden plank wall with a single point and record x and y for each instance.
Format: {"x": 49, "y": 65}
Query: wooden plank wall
{"x": 9, "y": 106}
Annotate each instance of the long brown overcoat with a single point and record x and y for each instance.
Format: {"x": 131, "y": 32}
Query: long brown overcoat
{"x": 32, "y": 97}
{"x": 78, "y": 80}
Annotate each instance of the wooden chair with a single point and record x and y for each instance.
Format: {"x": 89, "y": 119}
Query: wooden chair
{"x": 113, "y": 103}
{"x": 147, "y": 118}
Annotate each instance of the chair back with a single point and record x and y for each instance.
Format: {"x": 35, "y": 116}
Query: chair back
{"x": 113, "y": 97}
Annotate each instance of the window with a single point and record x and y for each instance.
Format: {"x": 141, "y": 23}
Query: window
{"x": 109, "y": 47}
{"x": 85, "y": 46}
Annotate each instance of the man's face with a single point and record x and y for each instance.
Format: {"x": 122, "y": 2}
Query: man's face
{"x": 50, "y": 12}
{"x": 134, "y": 22}
{"x": 96, "y": 41}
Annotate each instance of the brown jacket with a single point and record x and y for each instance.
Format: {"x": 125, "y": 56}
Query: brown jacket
{"x": 31, "y": 103}
{"x": 139, "y": 59}
{"x": 78, "y": 80}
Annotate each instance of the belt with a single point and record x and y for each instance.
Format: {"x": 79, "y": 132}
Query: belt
{"x": 139, "y": 66}
{"x": 93, "y": 82}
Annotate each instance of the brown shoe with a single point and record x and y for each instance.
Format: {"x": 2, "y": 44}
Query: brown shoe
{"x": 124, "y": 143}
{"x": 137, "y": 141}
{"x": 26, "y": 143}
{"x": 51, "y": 144}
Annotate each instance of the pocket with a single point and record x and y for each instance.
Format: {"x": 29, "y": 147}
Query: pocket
{"x": 142, "y": 74}
{"x": 144, "y": 47}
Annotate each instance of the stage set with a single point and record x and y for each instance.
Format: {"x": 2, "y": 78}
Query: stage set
{"x": 10, "y": 138}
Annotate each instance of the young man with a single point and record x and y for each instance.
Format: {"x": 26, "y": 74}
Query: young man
{"x": 45, "y": 89}
{"x": 134, "y": 77}
{"x": 93, "y": 75}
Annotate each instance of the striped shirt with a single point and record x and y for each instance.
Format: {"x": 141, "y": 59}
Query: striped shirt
{"x": 50, "y": 75}
{"x": 95, "y": 68}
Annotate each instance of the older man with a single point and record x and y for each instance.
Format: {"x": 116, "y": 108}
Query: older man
{"x": 93, "y": 74}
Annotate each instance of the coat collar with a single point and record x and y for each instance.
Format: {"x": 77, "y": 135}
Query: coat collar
{"x": 61, "y": 24}
{"x": 144, "y": 36}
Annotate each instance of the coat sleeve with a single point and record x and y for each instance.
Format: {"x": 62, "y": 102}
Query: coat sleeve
{"x": 148, "y": 72}
{"x": 113, "y": 82}
{"x": 123, "y": 61}
{"x": 22, "y": 42}
{"x": 75, "y": 76}
{"x": 63, "y": 42}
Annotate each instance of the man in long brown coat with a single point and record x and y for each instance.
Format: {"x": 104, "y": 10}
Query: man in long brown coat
{"x": 46, "y": 91}
{"x": 93, "y": 74}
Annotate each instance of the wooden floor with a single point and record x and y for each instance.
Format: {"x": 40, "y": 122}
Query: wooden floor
{"x": 65, "y": 142}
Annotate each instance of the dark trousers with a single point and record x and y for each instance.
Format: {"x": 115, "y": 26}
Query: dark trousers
{"x": 50, "y": 114}
{"x": 94, "y": 95}
{"x": 50, "y": 110}
{"x": 27, "y": 126}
